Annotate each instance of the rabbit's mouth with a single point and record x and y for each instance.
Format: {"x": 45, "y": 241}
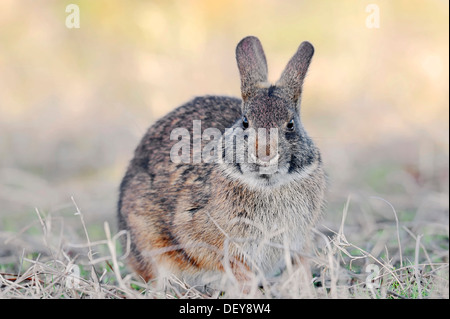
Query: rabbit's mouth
{"x": 272, "y": 162}
{"x": 267, "y": 173}
{"x": 259, "y": 176}
{"x": 265, "y": 176}
{"x": 262, "y": 169}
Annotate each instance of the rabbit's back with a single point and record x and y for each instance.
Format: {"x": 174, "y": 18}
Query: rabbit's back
{"x": 155, "y": 189}
{"x": 212, "y": 112}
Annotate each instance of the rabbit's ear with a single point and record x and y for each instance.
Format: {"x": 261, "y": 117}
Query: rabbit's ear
{"x": 252, "y": 64}
{"x": 294, "y": 73}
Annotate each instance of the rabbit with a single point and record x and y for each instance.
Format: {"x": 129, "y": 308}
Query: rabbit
{"x": 233, "y": 216}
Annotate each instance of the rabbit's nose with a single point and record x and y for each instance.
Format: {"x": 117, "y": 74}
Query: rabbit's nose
{"x": 268, "y": 159}
{"x": 267, "y": 153}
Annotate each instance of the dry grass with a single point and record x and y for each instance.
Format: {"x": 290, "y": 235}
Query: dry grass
{"x": 405, "y": 266}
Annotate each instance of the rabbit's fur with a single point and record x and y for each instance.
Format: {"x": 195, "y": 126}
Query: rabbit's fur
{"x": 205, "y": 221}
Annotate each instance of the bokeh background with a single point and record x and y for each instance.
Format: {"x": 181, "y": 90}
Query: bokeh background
{"x": 74, "y": 103}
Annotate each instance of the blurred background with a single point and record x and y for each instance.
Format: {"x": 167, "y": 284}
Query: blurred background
{"x": 74, "y": 102}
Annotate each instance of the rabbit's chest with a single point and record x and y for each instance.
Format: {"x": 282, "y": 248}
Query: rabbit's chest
{"x": 277, "y": 230}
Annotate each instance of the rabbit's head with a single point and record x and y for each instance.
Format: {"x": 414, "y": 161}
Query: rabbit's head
{"x": 275, "y": 149}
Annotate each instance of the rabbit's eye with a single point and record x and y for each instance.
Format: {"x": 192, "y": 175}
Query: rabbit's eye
{"x": 290, "y": 125}
{"x": 245, "y": 122}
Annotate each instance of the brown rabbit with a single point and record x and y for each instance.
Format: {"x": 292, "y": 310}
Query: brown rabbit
{"x": 202, "y": 220}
